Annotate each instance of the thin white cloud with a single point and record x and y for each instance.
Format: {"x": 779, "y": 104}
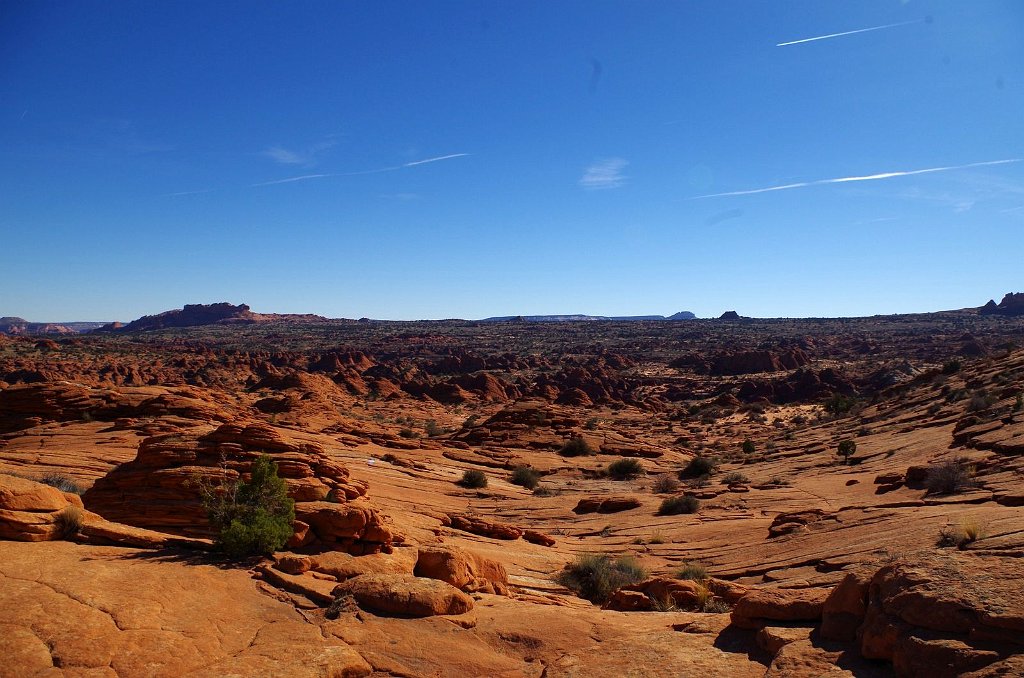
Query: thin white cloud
{"x": 602, "y": 174}
{"x": 867, "y": 177}
{"x": 307, "y": 156}
{"x": 839, "y": 35}
{"x": 181, "y": 193}
{"x": 379, "y": 170}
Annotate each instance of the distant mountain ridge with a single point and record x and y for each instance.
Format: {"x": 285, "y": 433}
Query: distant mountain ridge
{"x": 15, "y": 326}
{"x": 576, "y": 317}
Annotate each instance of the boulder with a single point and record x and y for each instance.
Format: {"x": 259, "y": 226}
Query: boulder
{"x": 606, "y": 504}
{"x": 757, "y": 607}
{"x": 405, "y": 595}
{"x": 463, "y": 570}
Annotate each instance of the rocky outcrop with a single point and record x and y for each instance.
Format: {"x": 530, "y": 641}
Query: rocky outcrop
{"x": 192, "y": 315}
{"x": 1011, "y": 305}
{"x": 482, "y": 527}
{"x": 465, "y": 571}
{"x": 405, "y": 595}
{"x": 31, "y": 511}
{"x": 761, "y": 606}
{"x": 751, "y": 362}
{"x": 606, "y": 504}
{"x": 161, "y": 488}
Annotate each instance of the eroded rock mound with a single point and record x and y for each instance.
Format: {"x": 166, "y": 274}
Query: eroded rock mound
{"x": 160, "y": 488}
{"x": 405, "y": 595}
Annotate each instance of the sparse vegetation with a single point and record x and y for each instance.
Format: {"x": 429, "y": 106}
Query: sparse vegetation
{"x": 735, "y": 478}
{"x": 693, "y": 572}
{"x": 839, "y": 404}
{"x": 577, "y": 447}
{"x": 664, "y": 484}
{"x": 61, "y": 482}
{"x": 473, "y": 479}
{"x": 748, "y": 446}
{"x": 524, "y": 476}
{"x": 959, "y": 536}
{"x": 407, "y": 433}
{"x": 952, "y": 366}
{"x": 950, "y": 477}
{"x": 594, "y": 576}
{"x": 254, "y": 517}
{"x": 673, "y": 506}
{"x": 69, "y": 522}
{"x": 846, "y": 449}
{"x": 698, "y": 466}
{"x": 625, "y": 469}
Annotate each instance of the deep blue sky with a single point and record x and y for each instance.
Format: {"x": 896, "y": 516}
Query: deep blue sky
{"x": 133, "y": 136}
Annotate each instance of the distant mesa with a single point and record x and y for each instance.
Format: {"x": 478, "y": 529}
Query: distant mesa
{"x": 578, "y": 317}
{"x": 14, "y": 326}
{"x": 197, "y": 315}
{"x": 729, "y": 315}
{"x": 1011, "y": 305}
{"x": 192, "y": 315}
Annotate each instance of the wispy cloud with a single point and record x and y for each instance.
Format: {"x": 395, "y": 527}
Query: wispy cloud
{"x": 867, "y": 177}
{"x": 306, "y": 156}
{"x": 414, "y": 163}
{"x": 181, "y": 193}
{"x": 839, "y": 35}
{"x": 606, "y": 173}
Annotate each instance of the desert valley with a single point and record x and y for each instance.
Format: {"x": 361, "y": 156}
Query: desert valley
{"x": 727, "y": 497}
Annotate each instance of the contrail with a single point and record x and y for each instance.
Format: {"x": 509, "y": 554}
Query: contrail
{"x": 839, "y": 35}
{"x": 392, "y": 168}
{"x": 866, "y": 177}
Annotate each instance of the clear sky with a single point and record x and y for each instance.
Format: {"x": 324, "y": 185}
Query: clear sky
{"x": 466, "y": 159}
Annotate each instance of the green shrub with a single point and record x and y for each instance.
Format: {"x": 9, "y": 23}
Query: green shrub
{"x": 846, "y": 449}
{"x": 432, "y": 429}
{"x": 673, "y": 506}
{"x": 697, "y": 467}
{"x": 524, "y": 476}
{"x": 577, "y": 447}
{"x": 735, "y": 478}
{"x": 69, "y": 522}
{"x": 748, "y": 446}
{"x": 625, "y": 469}
{"x": 840, "y": 404}
{"x": 693, "y": 572}
{"x": 952, "y": 366}
{"x": 594, "y": 577}
{"x": 407, "y": 433}
{"x": 473, "y": 479}
{"x": 61, "y": 482}
{"x": 254, "y": 517}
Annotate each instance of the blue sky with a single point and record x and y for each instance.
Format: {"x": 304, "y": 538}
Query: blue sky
{"x": 468, "y": 159}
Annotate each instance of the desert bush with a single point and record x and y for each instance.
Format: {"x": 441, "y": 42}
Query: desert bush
{"x": 714, "y": 605}
{"x": 748, "y": 446}
{"x": 846, "y": 449}
{"x": 524, "y": 476}
{"x": 673, "y": 506}
{"x": 254, "y": 517}
{"x": 61, "y": 482}
{"x": 577, "y": 447}
{"x": 951, "y": 366}
{"x": 664, "y": 484}
{"x": 625, "y": 469}
{"x": 950, "y": 477}
{"x": 839, "y": 404}
{"x": 980, "y": 400}
{"x": 407, "y": 433}
{"x": 594, "y": 577}
{"x": 692, "y": 571}
{"x": 698, "y": 466}
{"x": 69, "y": 522}
{"x": 590, "y": 424}
{"x": 432, "y": 429}
{"x": 967, "y": 532}
{"x": 542, "y": 491}
{"x": 735, "y": 478}
{"x": 473, "y": 479}
{"x": 778, "y": 481}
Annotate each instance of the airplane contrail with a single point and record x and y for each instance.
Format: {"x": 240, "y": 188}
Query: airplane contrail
{"x": 839, "y": 35}
{"x": 866, "y": 177}
{"x": 392, "y": 168}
